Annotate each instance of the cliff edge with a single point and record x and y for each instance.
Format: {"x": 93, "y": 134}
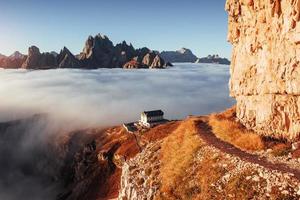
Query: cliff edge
{"x": 265, "y": 65}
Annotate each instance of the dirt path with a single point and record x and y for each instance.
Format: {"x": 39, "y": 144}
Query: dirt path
{"x": 211, "y": 139}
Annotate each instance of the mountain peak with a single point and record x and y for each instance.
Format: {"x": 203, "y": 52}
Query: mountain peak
{"x": 16, "y": 54}
{"x": 184, "y": 51}
{"x": 181, "y": 55}
{"x": 100, "y": 36}
{"x": 2, "y": 56}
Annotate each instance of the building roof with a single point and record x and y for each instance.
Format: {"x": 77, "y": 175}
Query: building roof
{"x": 153, "y": 113}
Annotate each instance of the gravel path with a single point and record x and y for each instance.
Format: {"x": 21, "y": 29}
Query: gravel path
{"x": 210, "y": 138}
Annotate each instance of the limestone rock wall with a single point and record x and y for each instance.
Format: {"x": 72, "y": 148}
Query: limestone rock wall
{"x": 140, "y": 176}
{"x": 265, "y": 68}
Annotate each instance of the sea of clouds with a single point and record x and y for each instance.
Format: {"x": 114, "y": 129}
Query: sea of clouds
{"x": 84, "y": 98}
{"x": 107, "y": 97}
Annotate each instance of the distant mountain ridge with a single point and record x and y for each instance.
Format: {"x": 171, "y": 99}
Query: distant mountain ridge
{"x": 185, "y": 55}
{"x": 13, "y": 61}
{"x": 182, "y": 55}
{"x": 98, "y": 52}
{"x": 216, "y": 59}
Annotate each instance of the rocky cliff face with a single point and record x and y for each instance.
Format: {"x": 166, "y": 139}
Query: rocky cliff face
{"x": 98, "y": 52}
{"x": 140, "y": 176}
{"x": 66, "y": 59}
{"x": 266, "y": 65}
{"x": 37, "y": 60}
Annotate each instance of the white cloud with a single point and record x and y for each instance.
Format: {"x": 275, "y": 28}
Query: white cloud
{"x": 107, "y": 97}
{"x": 81, "y": 98}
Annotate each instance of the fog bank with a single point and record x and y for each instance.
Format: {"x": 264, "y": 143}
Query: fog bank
{"x": 80, "y": 98}
{"x": 106, "y": 97}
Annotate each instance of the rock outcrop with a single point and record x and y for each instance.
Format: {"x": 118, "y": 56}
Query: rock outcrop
{"x": 125, "y": 52}
{"x": 150, "y": 60}
{"x": 157, "y": 63}
{"x": 99, "y": 52}
{"x": 182, "y": 55}
{"x": 67, "y": 60}
{"x": 216, "y": 59}
{"x": 37, "y": 60}
{"x": 140, "y": 176}
{"x": 266, "y": 65}
{"x": 133, "y": 64}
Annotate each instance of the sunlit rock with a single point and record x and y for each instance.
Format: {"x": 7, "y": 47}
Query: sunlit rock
{"x": 265, "y": 65}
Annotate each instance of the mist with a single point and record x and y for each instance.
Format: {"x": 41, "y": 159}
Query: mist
{"x": 71, "y": 99}
{"x": 107, "y": 97}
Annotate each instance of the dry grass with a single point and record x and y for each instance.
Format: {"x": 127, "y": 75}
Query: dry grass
{"x": 161, "y": 131}
{"x": 296, "y": 154}
{"x": 238, "y": 188}
{"x": 281, "y": 149}
{"x": 226, "y": 128}
{"x": 177, "y": 153}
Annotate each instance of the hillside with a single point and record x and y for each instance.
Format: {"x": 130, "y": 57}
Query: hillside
{"x": 192, "y": 162}
{"x": 205, "y": 157}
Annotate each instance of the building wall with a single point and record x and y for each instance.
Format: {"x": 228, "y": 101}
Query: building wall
{"x": 145, "y": 119}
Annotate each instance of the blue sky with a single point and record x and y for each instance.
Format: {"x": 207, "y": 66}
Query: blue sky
{"x": 158, "y": 24}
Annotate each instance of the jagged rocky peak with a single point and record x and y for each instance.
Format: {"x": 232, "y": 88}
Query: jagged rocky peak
{"x": 125, "y": 49}
{"x": 38, "y": 60}
{"x": 99, "y": 52}
{"x": 149, "y": 58}
{"x": 66, "y": 59}
{"x": 54, "y": 53}
{"x": 93, "y": 44}
{"x": 184, "y": 51}
{"x": 124, "y": 46}
{"x": 158, "y": 62}
{"x": 265, "y": 65}
{"x": 33, "y": 50}
{"x": 65, "y": 51}
{"x": 17, "y": 55}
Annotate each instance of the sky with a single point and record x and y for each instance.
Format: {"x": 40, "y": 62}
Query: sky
{"x": 199, "y": 25}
